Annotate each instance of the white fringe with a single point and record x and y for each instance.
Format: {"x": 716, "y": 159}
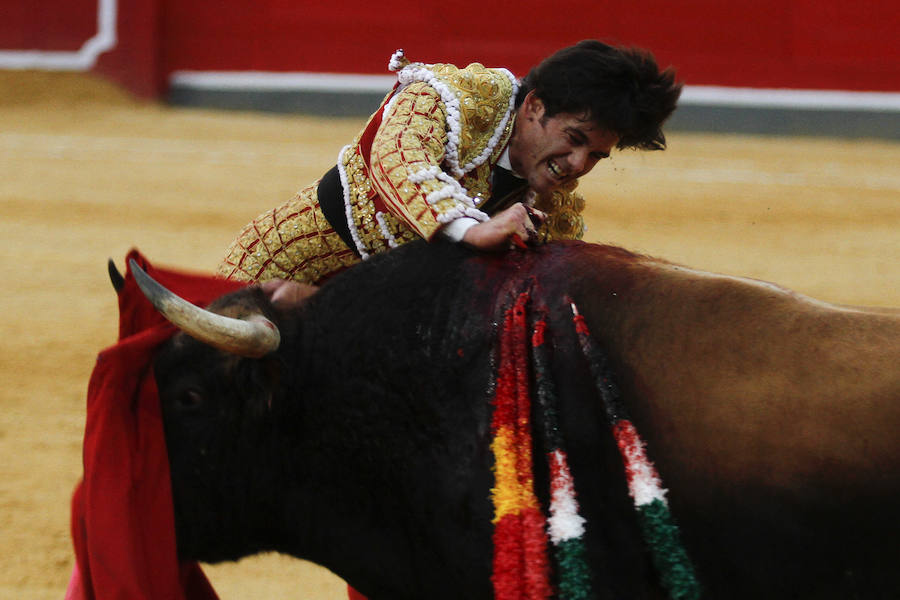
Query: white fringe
{"x": 419, "y": 72}
{"x": 498, "y": 132}
{"x": 385, "y": 232}
{"x": 348, "y": 209}
{"x": 398, "y": 60}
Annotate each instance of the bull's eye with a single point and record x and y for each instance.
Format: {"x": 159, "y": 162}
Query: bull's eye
{"x": 191, "y": 399}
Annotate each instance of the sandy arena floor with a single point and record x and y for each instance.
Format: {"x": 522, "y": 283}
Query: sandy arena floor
{"x": 87, "y": 173}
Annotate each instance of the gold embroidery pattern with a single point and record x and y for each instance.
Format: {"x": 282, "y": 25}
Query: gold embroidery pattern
{"x": 478, "y": 183}
{"x": 293, "y": 241}
{"x": 563, "y": 208}
{"x": 362, "y": 207}
{"x": 478, "y": 180}
{"x": 484, "y": 96}
{"x": 411, "y": 139}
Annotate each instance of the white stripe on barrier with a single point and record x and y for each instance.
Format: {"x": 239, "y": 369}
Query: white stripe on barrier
{"x": 708, "y": 95}
{"x": 81, "y": 60}
{"x": 696, "y": 95}
{"x": 268, "y": 81}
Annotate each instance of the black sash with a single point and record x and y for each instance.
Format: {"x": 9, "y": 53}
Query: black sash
{"x": 331, "y": 201}
{"x": 504, "y": 188}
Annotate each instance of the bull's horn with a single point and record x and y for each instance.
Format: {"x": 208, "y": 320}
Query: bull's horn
{"x": 118, "y": 282}
{"x": 254, "y": 337}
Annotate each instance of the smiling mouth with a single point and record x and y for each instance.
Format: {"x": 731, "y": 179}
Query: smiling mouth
{"x": 555, "y": 170}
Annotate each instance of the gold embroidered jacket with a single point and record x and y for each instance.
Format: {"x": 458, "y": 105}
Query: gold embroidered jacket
{"x": 425, "y": 158}
{"x": 436, "y": 142}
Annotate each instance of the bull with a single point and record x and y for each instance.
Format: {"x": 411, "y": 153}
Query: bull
{"x": 360, "y": 440}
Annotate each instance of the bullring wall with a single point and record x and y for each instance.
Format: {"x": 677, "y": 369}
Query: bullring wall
{"x": 155, "y": 46}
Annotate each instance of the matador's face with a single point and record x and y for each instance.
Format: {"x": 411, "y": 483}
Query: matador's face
{"x": 551, "y": 151}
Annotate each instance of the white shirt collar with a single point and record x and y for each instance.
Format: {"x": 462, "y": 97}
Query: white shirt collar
{"x": 503, "y": 161}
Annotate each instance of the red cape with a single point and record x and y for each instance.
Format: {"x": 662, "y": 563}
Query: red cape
{"x": 123, "y": 525}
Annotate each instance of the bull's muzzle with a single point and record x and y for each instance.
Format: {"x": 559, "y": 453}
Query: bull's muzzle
{"x": 254, "y": 336}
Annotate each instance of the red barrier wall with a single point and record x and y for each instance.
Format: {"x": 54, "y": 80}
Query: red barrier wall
{"x": 46, "y": 25}
{"x": 814, "y": 44}
{"x": 137, "y": 61}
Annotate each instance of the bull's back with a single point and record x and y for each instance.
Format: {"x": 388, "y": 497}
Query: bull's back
{"x": 771, "y": 416}
{"x": 773, "y": 420}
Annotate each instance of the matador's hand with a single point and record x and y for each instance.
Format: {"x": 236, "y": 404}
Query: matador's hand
{"x": 286, "y": 294}
{"x": 498, "y": 232}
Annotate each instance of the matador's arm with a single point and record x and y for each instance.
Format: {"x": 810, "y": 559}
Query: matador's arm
{"x": 405, "y": 163}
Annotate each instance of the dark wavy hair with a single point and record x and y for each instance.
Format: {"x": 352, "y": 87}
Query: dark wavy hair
{"x": 620, "y": 89}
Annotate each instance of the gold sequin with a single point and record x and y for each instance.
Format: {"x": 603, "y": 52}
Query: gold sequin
{"x": 294, "y": 241}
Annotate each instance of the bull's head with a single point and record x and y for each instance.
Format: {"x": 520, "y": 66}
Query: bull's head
{"x": 216, "y": 380}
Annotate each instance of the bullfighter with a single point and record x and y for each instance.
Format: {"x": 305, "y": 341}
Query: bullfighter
{"x": 470, "y": 154}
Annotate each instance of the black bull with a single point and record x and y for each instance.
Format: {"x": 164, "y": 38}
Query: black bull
{"x": 362, "y": 443}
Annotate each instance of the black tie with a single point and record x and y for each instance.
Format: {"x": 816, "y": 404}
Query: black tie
{"x": 503, "y": 185}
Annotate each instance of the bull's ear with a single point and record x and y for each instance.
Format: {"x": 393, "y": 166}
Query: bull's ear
{"x": 118, "y": 282}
